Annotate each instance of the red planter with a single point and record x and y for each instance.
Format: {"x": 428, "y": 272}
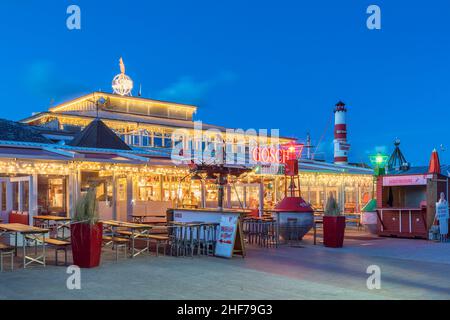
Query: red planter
{"x": 333, "y": 231}
{"x": 86, "y": 244}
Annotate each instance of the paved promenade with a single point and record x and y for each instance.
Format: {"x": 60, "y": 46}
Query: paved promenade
{"x": 410, "y": 269}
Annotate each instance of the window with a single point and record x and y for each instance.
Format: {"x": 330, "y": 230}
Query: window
{"x": 158, "y": 140}
{"x": 136, "y": 139}
{"x": 167, "y": 141}
{"x": 145, "y": 140}
{"x": 52, "y": 194}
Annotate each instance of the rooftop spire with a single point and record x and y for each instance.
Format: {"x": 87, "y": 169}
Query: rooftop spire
{"x": 397, "y": 161}
{"x": 434, "y": 166}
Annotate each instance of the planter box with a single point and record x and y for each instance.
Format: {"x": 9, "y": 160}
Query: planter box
{"x": 333, "y": 231}
{"x": 86, "y": 244}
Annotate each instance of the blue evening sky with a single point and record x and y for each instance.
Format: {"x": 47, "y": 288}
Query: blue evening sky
{"x": 246, "y": 64}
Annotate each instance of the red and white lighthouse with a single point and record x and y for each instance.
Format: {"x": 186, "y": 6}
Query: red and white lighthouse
{"x": 341, "y": 146}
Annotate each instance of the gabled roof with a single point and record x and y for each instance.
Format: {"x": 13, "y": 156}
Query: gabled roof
{"x": 98, "y": 135}
{"x": 65, "y": 106}
{"x": 15, "y": 131}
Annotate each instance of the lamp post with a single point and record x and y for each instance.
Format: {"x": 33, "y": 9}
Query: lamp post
{"x": 378, "y": 161}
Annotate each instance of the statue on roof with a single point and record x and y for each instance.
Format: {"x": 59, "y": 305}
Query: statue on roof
{"x": 122, "y": 66}
{"x": 122, "y": 84}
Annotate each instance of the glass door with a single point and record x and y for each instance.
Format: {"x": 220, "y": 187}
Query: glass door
{"x": 5, "y": 199}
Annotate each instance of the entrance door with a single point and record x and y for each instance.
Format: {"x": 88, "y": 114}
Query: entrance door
{"x": 5, "y": 198}
{"x": 121, "y": 200}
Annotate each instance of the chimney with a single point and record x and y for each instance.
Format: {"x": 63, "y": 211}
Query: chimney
{"x": 341, "y": 146}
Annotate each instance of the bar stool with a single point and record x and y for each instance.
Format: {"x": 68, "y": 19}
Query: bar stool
{"x": 176, "y": 238}
{"x": 190, "y": 229}
{"x": 211, "y": 238}
{"x": 251, "y": 228}
{"x": 196, "y": 241}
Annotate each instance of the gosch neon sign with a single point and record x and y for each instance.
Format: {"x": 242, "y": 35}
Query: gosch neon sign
{"x": 268, "y": 155}
{"x": 271, "y": 154}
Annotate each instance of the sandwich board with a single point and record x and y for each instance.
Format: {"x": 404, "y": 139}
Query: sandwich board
{"x": 230, "y": 240}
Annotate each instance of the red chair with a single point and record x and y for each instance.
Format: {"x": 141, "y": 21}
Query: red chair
{"x": 18, "y": 217}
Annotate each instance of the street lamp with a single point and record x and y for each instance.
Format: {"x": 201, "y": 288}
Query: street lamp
{"x": 379, "y": 161}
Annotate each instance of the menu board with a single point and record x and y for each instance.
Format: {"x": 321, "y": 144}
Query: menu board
{"x": 229, "y": 241}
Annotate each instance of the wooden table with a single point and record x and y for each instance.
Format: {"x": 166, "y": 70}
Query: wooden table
{"x": 61, "y": 223}
{"x": 138, "y": 230}
{"x": 29, "y": 233}
{"x": 140, "y": 218}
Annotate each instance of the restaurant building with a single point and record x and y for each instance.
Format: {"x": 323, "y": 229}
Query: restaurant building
{"x": 125, "y": 146}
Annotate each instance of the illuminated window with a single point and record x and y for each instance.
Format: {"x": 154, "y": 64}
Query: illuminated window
{"x": 157, "y": 140}
{"x": 168, "y": 141}
{"x": 136, "y": 139}
{"x": 145, "y": 141}
{"x": 145, "y": 138}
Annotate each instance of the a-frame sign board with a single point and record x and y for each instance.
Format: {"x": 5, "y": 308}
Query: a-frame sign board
{"x": 231, "y": 240}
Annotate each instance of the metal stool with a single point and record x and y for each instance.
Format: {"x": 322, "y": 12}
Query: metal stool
{"x": 176, "y": 237}
{"x": 195, "y": 234}
{"x": 211, "y": 238}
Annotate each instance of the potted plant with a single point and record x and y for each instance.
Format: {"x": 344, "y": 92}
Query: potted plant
{"x": 333, "y": 224}
{"x": 86, "y": 232}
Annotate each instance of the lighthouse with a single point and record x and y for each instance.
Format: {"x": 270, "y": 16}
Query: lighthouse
{"x": 341, "y": 146}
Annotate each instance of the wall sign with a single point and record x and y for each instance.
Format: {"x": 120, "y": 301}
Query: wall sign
{"x": 411, "y": 180}
{"x": 274, "y": 169}
{"x": 268, "y": 155}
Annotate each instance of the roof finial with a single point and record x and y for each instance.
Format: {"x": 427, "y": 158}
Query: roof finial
{"x": 122, "y": 84}
{"x": 122, "y": 66}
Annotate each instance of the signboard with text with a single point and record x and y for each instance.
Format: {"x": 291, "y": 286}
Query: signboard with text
{"x": 411, "y": 180}
{"x": 230, "y": 238}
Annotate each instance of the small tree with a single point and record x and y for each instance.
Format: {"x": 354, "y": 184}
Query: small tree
{"x": 86, "y": 209}
{"x": 332, "y": 208}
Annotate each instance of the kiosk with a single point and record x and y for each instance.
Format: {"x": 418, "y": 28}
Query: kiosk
{"x": 406, "y": 200}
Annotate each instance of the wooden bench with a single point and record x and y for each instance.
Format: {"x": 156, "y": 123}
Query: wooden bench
{"x": 157, "y": 238}
{"x": 117, "y": 242}
{"x": 164, "y": 239}
{"x": 353, "y": 219}
{"x": 59, "y": 245}
{"x": 6, "y": 250}
{"x": 145, "y": 235}
{"x": 114, "y": 239}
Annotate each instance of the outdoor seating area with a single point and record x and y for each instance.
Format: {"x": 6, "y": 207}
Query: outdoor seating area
{"x": 263, "y": 231}
{"x": 51, "y": 234}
